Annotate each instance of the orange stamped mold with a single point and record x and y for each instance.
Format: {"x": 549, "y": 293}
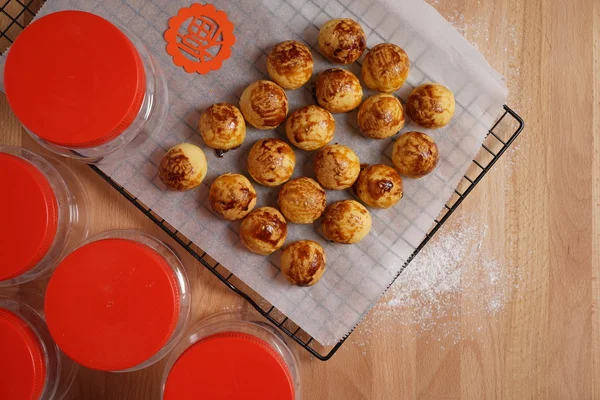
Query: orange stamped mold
{"x": 199, "y": 38}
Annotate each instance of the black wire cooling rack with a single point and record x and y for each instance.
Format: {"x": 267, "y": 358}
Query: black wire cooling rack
{"x": 15, "y": 15}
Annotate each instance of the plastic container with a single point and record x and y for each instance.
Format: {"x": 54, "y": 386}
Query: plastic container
{"x": 44, "y": 206}
{"x": 85, "y": 88}
{"x": 232, "y": 356}
{"x": 32, "y": 366}
{"x": 119, "y": 302}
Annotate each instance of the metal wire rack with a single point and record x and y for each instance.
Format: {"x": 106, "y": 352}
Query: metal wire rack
{"x": 15, "y": 15}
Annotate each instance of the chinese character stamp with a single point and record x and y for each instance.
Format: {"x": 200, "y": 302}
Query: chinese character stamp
{"x": 199, "y": 38}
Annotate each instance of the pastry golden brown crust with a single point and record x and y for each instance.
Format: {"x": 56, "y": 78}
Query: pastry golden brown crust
{"x": 310, "y": 128}
{"x": 338, "y": 90}
{"x": 302, "y": 200}
{"x": 380, "y": 116}
{"x": 342, "y": 40}
{"x": 379, "y": 186}
{"x": 346, "y": 222}
{"x": 431, "y": 105}
{"x": 303, "y": 263}
{"x": 385, "y": 68}
{"x": 183, "y": 167}
{"x": 415, "y": 154}
{"x": 222, "y": 126}
{"x": 271, "y": 162}
{"x": 336, "y": 167}
{"x": 232, "y": 196}
{"x": 263, "y": 231}
{"x": 264, "y": 105}
{"x": 290, "y": 64}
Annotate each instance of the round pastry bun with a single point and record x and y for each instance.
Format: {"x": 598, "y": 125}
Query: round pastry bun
{"x": 222, "y": 126}
{"x": 303, "y": 263}
{"x": 232, "y": 196}
{"x": 271, "y": 162}
{"x": 346, "y": 222}
{"x": 302, "y": 200}
{"x": 263, "y": 231}
{"x": 290, "y": 64}
{"x": 337, "y": 167}
{"x": 431, "y": 105}
{"x": 342, "y": 40}
{"x": 380, "y": 116}
{"x": 415, "y": 154}
{"x": 184, "y": 167}
{"x": 264, "y": 105}
{"x": 338, "y": 90}
{"x": 385, "y": 68}
{"x": 379, "y": 186}
{"x": 310, "y": 128}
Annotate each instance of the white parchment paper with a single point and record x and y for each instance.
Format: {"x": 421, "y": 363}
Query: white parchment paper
{"x": 357, "y": 275}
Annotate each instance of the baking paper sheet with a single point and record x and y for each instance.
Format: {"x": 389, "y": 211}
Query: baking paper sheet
{"x": 357, "y": 275}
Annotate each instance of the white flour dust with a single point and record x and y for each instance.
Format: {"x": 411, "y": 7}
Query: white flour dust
{"x": 452, "y": 279}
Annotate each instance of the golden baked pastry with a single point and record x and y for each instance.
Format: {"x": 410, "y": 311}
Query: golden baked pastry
{"x": 310, "y": 128}
{"x": 232, "y": 196}
{"x": 431, "y": 105}
{"x": 342, "y": 40}
{"x": 222, "y": 127}
{"x": 379, "y": 186}
{"x": 415, "y": 154}
{"x": 346, "y": 222}
{"x": 302, "y": 200}
{"x": 338, "y": 90}
{"x": 303, "y": 263}
{"x": 380, "y": 116}
{"x": 290, "y": 64}
{"x": 263, "y": 231}
{"x": 385, "y": 68}
{"x": 271, "y": 162}
{"x": 264, "y": 105}
{"x": 183, "y": 167}
{"x": 336, "y": 167}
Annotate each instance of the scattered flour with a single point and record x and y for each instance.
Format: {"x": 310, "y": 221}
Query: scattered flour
{"x": 451, "y": 279}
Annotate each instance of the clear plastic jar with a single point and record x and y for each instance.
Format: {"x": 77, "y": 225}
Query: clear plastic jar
{"x": 232, "y": 356}
{"x": 32, "y": 366}
{"x": 45, "y": 207}
{"x": 98, "y": 95}
{"x": 119, "y": 302}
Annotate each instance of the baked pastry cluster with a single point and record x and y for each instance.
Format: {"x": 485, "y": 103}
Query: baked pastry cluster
{"x": 271, "y": 162}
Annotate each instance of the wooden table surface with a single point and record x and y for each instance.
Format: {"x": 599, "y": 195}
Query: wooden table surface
{"x": 541, "y": 204}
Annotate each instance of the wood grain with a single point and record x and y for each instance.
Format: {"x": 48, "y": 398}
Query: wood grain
{"x": 541, "y": 204}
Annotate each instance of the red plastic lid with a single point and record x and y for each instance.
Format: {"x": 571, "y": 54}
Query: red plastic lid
{"x": 74, "y": 79}
{"x": 112, "y": 304}
{"x": 23, "y": 365}
{"x": 30, "y": 217}
{"x": 229, "y": 366}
